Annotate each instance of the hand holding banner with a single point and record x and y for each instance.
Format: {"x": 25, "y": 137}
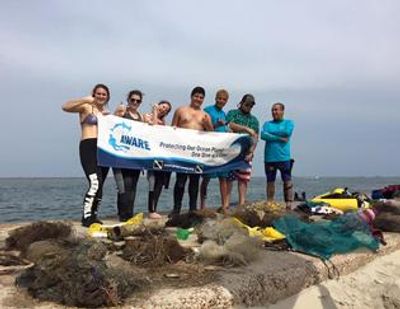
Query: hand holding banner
{"x": 124, "y": 143}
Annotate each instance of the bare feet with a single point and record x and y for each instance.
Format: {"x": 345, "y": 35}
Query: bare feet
{"x": 154, "y": 215}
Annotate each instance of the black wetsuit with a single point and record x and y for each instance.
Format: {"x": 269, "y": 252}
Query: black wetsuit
{"x": 179, "y": 190}
{"x": 126, "y": 180}
{"x": 157, "y": 180}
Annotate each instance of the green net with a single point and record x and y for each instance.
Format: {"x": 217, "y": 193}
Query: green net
{"x": 323, "y": 239}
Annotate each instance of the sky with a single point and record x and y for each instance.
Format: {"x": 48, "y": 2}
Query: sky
{"x": 334, "y": 64}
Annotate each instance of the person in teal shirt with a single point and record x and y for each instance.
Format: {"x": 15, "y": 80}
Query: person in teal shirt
{"x": 218, "y": 116}
{"x": 218, "y": 120}
{"x": 277, "y": 134}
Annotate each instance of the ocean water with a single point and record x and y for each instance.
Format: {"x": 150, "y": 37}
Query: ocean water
{"x": 28, "y": 199}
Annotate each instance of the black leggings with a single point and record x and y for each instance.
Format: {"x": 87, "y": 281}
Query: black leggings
{"x": 179, "y": 190}
{"x": 94, "y": 174}
{"x": 126, "y": 192}
{"x": 157, "y": 180}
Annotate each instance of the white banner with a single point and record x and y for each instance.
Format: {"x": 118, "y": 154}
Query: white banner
{"x": 125, "y": 143}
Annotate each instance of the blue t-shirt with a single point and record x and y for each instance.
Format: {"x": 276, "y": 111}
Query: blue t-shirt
{"x": 277, "y": 150}
{"x": 215, "y": 115}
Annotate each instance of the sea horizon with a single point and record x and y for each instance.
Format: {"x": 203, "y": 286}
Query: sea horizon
{"x": 42, "y": 198}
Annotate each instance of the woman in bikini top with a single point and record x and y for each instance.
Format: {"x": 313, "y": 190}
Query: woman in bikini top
{"x": 89, "y": 108}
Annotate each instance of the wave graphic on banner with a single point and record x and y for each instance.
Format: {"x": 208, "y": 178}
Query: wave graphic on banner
{"x": 134, "y": 145}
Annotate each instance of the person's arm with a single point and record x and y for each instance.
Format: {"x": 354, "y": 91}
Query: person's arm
{"x": 237, "y": 128}
{"x": 120, "y": 110}
{"x": 269, "y": 137}
{"x": 250, "y": 154}
{"x": 207, "y": 124}
{"x": 151, "y": 118}
{"x": 77, "y": 105}
{"x": 281, "y": 136}
{"x": 176, "y": 118}
{"x": 286, "y": 131}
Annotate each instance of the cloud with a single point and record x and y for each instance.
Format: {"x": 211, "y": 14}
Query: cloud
{"x": 334, "y": 64}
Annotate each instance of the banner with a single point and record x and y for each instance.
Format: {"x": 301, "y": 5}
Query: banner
{"x": 125, "y": 143}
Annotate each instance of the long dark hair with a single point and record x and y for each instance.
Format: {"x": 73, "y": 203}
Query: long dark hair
{"x": 104, "y": 87}
{"x": 132, "y": 92}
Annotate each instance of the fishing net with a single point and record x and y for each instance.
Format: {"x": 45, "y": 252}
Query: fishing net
{"x": 262, "y": 213}
{"x": 154, "y": 250}
{"x": 20, "y": 238}
{"x": 388, "y": 216}
{"x": 76, "y": 274}
{"x": 227, "y": 244}
{"x": 323, "y": 239}
{"x": 190, "y": 219}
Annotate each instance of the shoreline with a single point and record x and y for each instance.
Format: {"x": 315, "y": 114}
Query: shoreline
{"x": 275, "y": 276}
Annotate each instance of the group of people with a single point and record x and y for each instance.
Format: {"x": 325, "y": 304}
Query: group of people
{"x": 276, "y": 133}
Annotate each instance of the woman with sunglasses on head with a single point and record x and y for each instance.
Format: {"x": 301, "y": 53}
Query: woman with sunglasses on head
{"x": 126, "y": 179}
{"x": 89, "y": 108}
{"x": 157, "y": 178}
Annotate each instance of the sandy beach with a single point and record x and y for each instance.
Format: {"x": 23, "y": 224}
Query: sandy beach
{"x": 375, "y": 285}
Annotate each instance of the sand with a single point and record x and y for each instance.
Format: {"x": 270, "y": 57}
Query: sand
{"x": 376, "y": 285}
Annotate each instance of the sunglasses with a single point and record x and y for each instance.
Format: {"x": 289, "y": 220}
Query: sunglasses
{"x": 135, "y": 101}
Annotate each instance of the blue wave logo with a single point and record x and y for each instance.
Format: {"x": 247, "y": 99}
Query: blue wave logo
{"x": 121, "y": 139}
{"x": 119, "y": 129}
{"x": 244, "y": 142}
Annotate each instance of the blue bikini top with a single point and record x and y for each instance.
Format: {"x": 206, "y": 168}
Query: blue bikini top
{"x": 91, "y": 119}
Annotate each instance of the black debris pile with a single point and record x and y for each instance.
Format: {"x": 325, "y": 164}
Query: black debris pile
{"x": 260, "y": 214}
{"x": 388, "y": 215}
{"x": 154, "y": 250}
{"x": 190, "y": 219}
{"x": 75, "y": 273}
{"x": 20, "y": 238}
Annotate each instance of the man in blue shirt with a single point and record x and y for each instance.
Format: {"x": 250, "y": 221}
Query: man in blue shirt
{"x": 218, "y": 120}
{"x": 277, "y": 134}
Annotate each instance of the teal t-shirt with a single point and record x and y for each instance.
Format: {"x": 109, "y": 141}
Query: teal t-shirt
{"x": 217, "y": 114}
{"x": 277, "y": 150}
{"x": 247, "y": 120}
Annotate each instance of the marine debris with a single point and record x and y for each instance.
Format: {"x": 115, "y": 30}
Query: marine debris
{"x": 20, "y": 238}
{"x": 76, "y": 274}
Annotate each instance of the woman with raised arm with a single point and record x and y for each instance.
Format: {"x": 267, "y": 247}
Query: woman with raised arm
{"x": 89, "y": 108}
{"x": 157, "y": 179}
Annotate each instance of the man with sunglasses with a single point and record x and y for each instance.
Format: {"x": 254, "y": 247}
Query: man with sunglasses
{"x": 190, "y": 117}
{"x": 276, "y": 134}
{"x": 242, "y": 121}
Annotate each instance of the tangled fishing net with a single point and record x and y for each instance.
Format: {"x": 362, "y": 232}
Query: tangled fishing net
{"x": 191, "y": 219}
{"x": 225, "y": 243}
{"x": 388, "y": 216}
{"x": 22, "y": 237}
{"x": 263, "y": 213}
{"x": 76, "y": 274}
{"x": 154, "y": 250}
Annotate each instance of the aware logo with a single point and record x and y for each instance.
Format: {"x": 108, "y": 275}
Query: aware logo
{"x": 120, "y": 138}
